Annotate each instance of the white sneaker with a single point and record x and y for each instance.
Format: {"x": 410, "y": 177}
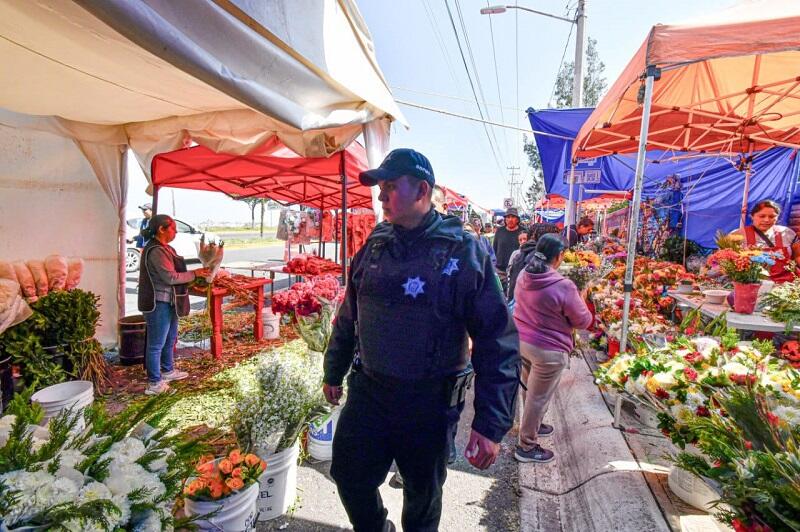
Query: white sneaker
{"x": 174, "y": 375}
{"x": 155, "y": 388}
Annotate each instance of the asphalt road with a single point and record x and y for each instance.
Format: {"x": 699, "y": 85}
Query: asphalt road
{"x": 259, "y": 254}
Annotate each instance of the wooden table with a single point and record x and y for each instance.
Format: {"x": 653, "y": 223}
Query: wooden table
{"x": 215, "y": 312}
{"x": 743, "y": 322}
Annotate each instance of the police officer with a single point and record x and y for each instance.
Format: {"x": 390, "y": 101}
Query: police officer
{"x": 418, "y": 288}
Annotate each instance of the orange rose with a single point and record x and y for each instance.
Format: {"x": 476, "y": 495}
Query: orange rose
{"x": 251, "y": 460}
{"x": 237, "y": 472}
{"x": 205, "y": 468}
{"x": 263, "y": 465}
{"x": 235, "y": 483}
{"x": 225, "y": 466}
{"x": 216, "y": 489}
{"x": 235, "y": 457}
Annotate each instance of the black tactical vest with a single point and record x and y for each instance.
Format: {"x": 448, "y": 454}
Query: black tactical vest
{"x": 407, "y": 325}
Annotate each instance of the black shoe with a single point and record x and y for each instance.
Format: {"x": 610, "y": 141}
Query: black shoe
{"x": 537, "y": 454}
{"x": 396, "y": 482}
{"x": 545, "y": 430}
{"x": 388, "y": 526}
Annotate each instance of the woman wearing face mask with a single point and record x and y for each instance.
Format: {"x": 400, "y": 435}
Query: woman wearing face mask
{"x": 764, "y": 233}
{"x": 163, "y": 297}
{"x": 548, "y": 308}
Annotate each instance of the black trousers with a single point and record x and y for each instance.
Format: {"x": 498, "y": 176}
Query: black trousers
{"x": 381, "y": 423}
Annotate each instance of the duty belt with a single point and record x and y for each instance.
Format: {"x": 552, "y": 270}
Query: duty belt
{"x": 434, "y": 384}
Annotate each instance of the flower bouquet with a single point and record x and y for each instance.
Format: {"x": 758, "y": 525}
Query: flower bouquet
{"x": 582, "y": 268}
{"x": 117, "y": 474}
{"x": 311, "y": 307}
{"x": 219, "y": 478}
{"x": 746, "y": 268}
{"x": 782, "y": 304}
{"x": 288, "y": 395}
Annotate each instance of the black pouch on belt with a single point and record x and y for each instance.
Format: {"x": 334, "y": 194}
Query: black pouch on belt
{"x": 457, "y": 386}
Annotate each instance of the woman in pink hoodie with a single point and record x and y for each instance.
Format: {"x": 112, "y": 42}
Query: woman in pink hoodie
{"x": 548, "y": 309}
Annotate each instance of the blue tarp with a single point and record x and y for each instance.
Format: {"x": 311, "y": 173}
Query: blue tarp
{"x": 711, "y": 186}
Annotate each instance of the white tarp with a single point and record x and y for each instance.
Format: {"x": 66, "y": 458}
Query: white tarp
{"x": 153, "y": 75}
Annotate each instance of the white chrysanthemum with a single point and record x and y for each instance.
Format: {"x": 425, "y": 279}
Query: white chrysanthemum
{"x": 7, "y": 421}
{"x": 71, "y": 473}
{"x": 127, "y": 450}
{"x": 122, "y": 477}
{"x": 674, "y": 365}
{"x": 735, "y": 368}
{"x": 59, "y": 491}
{"x": 682, "y": 413}
{"x": 94, "y": 491}
{"x": 789, "y": 414}
{"x": 124, "y": 506}
{"x": 71, "y": 457}
{"x": 695, "y": 400}
{"x": 705, "y": 345}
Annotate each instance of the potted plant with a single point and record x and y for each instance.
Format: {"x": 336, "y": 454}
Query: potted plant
{"x": 269, "y": 421}
{"x": 745, "y": 268}
{"x": 223, "y": 495}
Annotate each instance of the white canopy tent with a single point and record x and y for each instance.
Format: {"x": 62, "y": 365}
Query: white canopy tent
{"x": 83, "y": 81}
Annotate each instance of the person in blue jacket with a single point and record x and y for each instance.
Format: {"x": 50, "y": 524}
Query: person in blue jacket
{"x": 417, "y": 291}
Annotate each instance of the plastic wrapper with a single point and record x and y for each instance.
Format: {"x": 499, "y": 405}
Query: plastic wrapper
{"x": 210, "y": 256}
{"x": 13, "y": 309}
{"x": 39, "y": 276}
{"x": 56, "y": 268}
{"x": 7, "y": 271}
{"x": 26, "y": 282}
{"x": 74, "y": 272}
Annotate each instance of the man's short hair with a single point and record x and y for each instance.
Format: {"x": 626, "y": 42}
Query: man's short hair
{"x": 586, "y": 222}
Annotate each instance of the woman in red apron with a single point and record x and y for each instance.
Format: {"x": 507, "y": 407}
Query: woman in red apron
{"x": 765, "y": 234}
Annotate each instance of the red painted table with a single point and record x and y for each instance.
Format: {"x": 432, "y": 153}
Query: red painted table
{"x": 215, "y": 312}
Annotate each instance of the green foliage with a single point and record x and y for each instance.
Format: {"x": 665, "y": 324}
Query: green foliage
{"x": 672, "y": 249}
{"x": 66, "y": 320}
{"x": 753, "y": 456}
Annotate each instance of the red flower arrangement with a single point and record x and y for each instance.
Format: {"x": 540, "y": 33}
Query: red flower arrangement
{"x": 307, "y": 298}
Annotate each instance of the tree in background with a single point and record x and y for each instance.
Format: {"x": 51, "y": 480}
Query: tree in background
{"x": 594, "y": 85}
{"x": 252, "y": 203}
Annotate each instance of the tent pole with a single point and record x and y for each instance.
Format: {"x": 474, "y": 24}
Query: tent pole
{"x": 652, "y": 72}
{"x": 344, "y": 218}
{"x": 155, "y": 199}
{"x": 746, "y": 194}
{"x": 569, "y": 214}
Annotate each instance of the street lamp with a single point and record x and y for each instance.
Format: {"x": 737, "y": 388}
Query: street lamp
{"x": 577, "y": 82}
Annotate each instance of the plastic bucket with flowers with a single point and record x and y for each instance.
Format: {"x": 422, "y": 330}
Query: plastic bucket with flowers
{"x": 225, "y": 492}
{"x": 278, "y": 484}
{"x": 320, "y": 435}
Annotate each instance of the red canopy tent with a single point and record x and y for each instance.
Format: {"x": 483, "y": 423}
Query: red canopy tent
{"x": 272, "y": 171}
{"x": 451, "y": 197}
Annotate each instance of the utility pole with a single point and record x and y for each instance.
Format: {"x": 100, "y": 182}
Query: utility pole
{"x": 580, "y": 52}
{"x": 513, "y": 184}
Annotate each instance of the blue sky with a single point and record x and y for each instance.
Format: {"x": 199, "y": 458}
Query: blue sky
{"x": 418, "y": 54}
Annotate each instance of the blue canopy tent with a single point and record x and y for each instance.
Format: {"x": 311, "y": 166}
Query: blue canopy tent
{"x": 711, "y": 185}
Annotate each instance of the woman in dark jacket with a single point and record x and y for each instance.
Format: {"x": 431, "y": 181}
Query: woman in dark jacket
{"x": 163, "y": 296}
{"x": 535, "y": 232}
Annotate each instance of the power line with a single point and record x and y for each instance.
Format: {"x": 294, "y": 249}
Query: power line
{"x": 472, "y": 85}
{"x": 451, "y": 97}
{"x": 440, "y": 42}
{"x": 497, "y": 77}
{"x": 561, "y": 64}
{"x": 465, "y": 117}
{"x": 475, "y": 71}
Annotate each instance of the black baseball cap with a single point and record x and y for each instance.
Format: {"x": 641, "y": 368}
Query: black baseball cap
{"x": 400, "y": 162}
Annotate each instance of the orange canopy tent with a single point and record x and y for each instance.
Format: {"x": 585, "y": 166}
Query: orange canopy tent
{"x": 728, "y": 83}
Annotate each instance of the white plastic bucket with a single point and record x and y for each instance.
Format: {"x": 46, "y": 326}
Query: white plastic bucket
{"x": 278, "y": 483}
{"x": 73, "y": 394}
{"x": 691, "y": 489}
{"x": 272, "y": 324}
{"x": 320, "y": 436}
{"x": 237, "y": 513}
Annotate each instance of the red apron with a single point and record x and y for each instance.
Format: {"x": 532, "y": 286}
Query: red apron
{"x": 777, "y": 271}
